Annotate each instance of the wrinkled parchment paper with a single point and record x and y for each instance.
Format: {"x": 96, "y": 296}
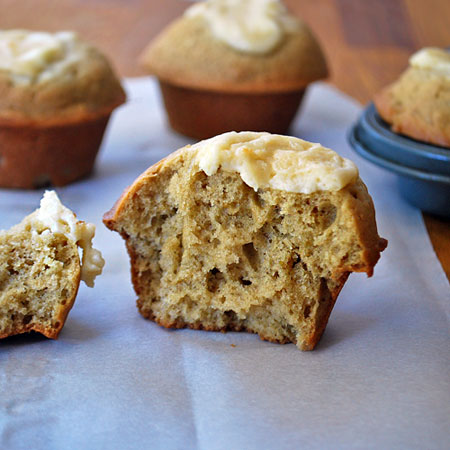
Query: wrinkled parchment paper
{"x": 378, "y": 379}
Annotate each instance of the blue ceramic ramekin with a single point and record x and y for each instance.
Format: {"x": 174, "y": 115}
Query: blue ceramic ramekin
{"x": 423, "y": 170}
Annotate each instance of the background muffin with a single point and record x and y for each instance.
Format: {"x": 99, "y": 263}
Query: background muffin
{"x": 418, "y": 103}
{"x": 56, "y": 95}
{"x": 234, "y": 65}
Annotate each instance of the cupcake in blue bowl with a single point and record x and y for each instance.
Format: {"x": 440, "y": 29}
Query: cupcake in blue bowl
{"x": 407, "y": 131}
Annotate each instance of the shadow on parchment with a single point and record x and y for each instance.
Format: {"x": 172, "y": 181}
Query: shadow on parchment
{"x": 343, "y": 326}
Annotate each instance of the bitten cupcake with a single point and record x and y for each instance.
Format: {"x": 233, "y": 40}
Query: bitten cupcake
{"x": 418, "y": 103}
{"x": 234, "y": 65}
{"x": 247, "y": 231}
{"x": 56, "y": 96}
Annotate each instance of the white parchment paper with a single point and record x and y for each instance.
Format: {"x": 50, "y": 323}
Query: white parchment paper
{"x": 378, "y": 379}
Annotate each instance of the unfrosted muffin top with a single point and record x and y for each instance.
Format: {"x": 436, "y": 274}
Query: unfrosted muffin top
{"x": 46, "y": 75}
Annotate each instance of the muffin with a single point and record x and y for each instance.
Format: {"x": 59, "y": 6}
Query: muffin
{"x": 229, "y": 65}
{"x": 247, "y": 231}
{"x": 40, "y": 269}
{"x": 418, "y": 103}
{"x": 56, "y": 95}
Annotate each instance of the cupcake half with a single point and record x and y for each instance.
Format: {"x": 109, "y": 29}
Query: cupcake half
{"x": 41, "y": 269}
{"x": 56, "y": 96}
{"x": 234, "y": 65}
{"x": 247, "y": 231}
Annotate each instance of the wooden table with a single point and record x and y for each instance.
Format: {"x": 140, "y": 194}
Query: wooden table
{"x": 367, "y": 42}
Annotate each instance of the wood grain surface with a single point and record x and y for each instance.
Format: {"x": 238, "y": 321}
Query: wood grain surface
{"x": 367, "y": 43}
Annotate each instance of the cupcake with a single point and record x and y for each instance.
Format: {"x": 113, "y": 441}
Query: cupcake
{"x": 56, "y": 96}
{"x": 247, "y": 232}
{"x": 234, "y": 65}
{"x": 418, "y": 103}
{"x": 40, "y": 268}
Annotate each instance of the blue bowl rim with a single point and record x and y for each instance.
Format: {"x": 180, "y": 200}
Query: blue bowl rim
{"x": 363, "y": 151}
{"x": 376, "y": 123}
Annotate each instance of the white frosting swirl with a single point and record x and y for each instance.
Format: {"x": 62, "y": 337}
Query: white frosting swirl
{"x": 34, "y": 56}
{"x": 275, "y": 161}
{"x": 432, "y": 58}
{"x": 59, "y": 219}
{"x": 250, "y": 26}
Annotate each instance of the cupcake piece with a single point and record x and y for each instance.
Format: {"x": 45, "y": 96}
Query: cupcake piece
{"x": 418, "y": 103}
{"x": 40, "y": 269}
{"x": 234, "y": 65}
{"x": 56, "y": 95}
{"x": 247, "y": 231}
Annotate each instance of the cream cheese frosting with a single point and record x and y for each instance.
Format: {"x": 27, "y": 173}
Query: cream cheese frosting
{"x": 250, "y": 26}
{"x": 432, "y": 58}
{"x": 34, "y": 56}
{"x": 59, "y": 219}
{"x": 279, "y": 162}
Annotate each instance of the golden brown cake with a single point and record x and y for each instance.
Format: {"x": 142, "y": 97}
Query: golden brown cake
{"x": 40, "y": 269}
{"x": 418, "y": 103}
{"x": 56, "y": 95}
{"x": 234, "y": 65}
{"x": 247, "y": 231}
